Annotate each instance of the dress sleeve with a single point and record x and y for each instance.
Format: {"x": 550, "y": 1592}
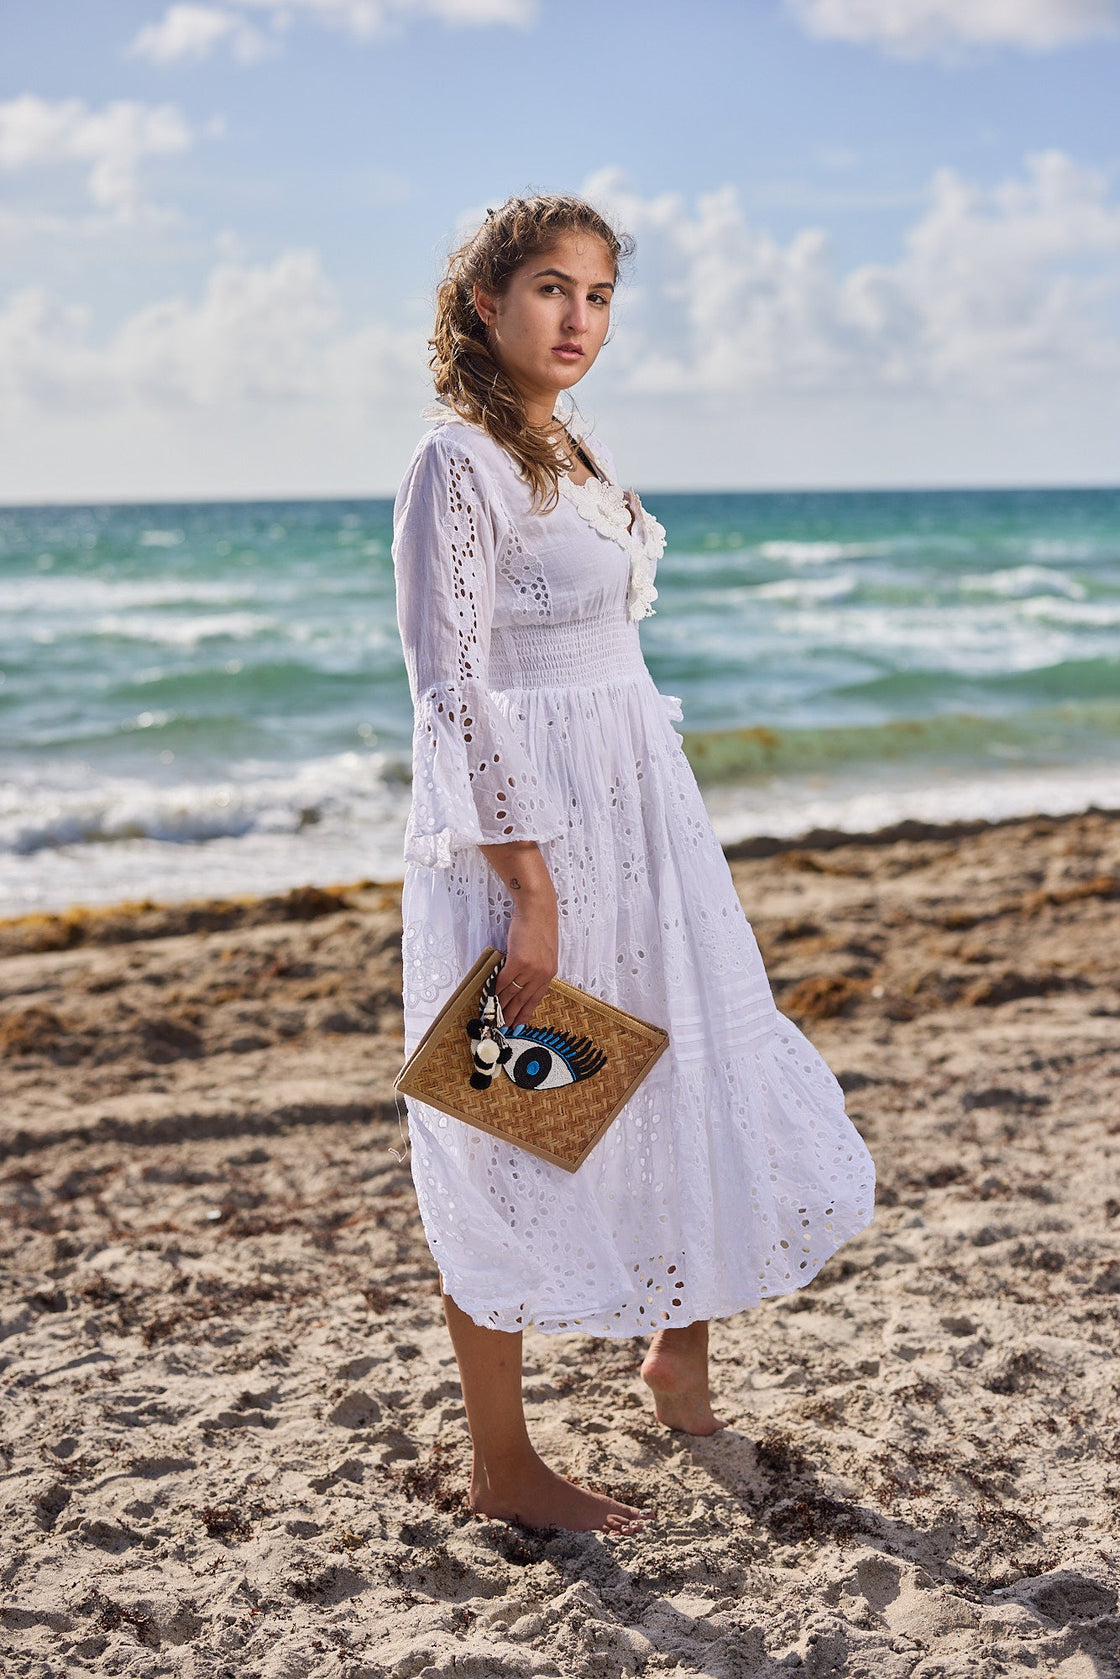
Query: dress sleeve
{"x": 473, "y": 782}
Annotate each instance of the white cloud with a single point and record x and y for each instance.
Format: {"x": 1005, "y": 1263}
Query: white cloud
{"x": 110, "y": 142}
{"x": 263, "y": 336}
{"x": 996, "y": 292}
{"x": 987, "y": 350}
{"x": 912, "y": 28}
{"x": 188, "y": 31}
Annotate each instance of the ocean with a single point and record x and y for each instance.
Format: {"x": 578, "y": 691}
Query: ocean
{"x": 210, "y": 698}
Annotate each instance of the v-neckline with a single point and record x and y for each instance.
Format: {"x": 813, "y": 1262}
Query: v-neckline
{"x": 594, "y": 470}
{"x": 596, "y": 476}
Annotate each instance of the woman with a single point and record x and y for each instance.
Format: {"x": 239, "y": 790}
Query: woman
{"x": 556, "y": 818}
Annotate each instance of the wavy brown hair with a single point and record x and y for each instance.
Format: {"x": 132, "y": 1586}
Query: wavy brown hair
{"x": 468, "y": 379}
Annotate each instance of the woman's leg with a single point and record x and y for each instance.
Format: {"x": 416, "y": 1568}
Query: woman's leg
{"x": 676, "y": 1369}
{"x": 508, "y": 1479}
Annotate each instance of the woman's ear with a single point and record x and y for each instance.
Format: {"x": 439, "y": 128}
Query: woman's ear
{"x": 483, "y": 304}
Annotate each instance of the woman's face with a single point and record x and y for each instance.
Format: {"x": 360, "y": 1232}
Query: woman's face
{"x": 548, "y": 326}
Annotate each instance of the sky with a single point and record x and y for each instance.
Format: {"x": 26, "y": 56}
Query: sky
{"x": 877, "y": 241}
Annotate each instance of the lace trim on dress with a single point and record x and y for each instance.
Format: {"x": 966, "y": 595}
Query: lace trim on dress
{"x": 619, "y": 515}
{"x": 647, "y": 544}
{"x": 603, "y": 505}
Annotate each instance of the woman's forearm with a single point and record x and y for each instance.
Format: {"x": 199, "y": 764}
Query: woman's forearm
{"x": 520, "y": 865}
{"x": 532, "y": 948}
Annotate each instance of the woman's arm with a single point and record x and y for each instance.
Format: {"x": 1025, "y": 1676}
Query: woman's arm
{"x": 473, "y": 779}
{"x": 533, "y": 945}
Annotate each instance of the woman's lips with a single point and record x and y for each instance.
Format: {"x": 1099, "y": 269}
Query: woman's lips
{"x": 566, "y": 353}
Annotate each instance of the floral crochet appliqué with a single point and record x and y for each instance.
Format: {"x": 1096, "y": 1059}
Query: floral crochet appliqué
{"x": 618, "y": 514}
{"x": 647, "y": 544}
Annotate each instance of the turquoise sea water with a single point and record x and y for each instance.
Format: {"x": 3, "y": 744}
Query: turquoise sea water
{"x": 210, "y": 697}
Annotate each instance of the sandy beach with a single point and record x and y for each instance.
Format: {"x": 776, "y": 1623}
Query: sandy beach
{"x": 233, "y": 1441}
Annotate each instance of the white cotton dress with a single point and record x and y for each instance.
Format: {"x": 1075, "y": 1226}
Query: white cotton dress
{"x": 733, "y": 1173}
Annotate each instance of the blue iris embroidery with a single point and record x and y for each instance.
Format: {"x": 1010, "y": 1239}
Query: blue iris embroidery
{"x": 533, "y": 1057}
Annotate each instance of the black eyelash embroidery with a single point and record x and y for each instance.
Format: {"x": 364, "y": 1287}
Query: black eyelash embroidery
{"x": 581, "y": 1054}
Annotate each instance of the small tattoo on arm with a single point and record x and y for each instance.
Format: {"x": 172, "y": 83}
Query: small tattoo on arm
{"x": 515, "y": 884}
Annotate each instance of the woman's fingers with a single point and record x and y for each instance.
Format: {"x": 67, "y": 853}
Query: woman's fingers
{"x": 520, "y": 1008}
{"x": 518, "y": 1005}
{"x": 532, "y": 957}
{"x": 529, "y": 1007}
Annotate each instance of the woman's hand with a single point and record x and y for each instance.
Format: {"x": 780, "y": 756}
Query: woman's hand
{"x": 532, "y": 956}
{"x": 533, "y": 944}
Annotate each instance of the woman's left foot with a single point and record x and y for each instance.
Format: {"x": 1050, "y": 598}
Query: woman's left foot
{"x": 677, "y": 1376}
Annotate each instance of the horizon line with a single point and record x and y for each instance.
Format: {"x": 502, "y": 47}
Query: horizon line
{"x": 248, "y": 498}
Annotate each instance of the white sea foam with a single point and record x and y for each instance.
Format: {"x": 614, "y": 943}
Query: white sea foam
{"x": 985, "y": 640}
{"x": 79, "y": 595}
{"x": 820, "y": 553}
{"x": 1102, "y": 614}
{"x": 861, "y": 802}
{"x": 1054, "y": 548}
{"x": 184, "y": 632}
{"x": 185, "y": 843}
{"x": 811, "y": 553}
{"x": 1024, "y": 580}
{"x": 798, "y": 589}
{"x": 74, "y": 805}
{"x": 77, "y": 836}
{"x": 145, "y": 868}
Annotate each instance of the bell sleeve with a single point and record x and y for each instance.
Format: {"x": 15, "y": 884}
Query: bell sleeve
{"x": 473, "y": 779}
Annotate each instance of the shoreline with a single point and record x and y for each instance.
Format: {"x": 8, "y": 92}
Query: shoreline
{"x": 97, "y": 922}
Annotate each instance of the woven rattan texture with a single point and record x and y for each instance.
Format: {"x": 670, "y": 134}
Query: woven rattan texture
{"x": 560, "y": 1125}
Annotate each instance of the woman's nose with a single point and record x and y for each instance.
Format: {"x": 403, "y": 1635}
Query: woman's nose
{"x": 577, "y": 314}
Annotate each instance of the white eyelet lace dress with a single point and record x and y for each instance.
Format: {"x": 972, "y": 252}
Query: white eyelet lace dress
{"x": 733, "y": 1173}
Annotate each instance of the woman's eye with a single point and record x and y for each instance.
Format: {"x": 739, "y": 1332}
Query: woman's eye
{"x": 593, "y": 297}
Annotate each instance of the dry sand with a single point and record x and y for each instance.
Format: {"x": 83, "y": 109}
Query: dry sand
{"x": 232, "y": 1431}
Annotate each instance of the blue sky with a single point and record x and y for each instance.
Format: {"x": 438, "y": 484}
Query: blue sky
{"x": 878, "y": 240}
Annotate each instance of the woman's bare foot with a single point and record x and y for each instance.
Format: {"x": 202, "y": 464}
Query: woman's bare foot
{"x": 508, "y": 1479}
{"x": 675, "y": 1369}
{"x": 531, "y": 1493}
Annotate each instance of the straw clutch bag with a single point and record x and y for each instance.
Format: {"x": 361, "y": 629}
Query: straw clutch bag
{"x": 553, "y": 1086}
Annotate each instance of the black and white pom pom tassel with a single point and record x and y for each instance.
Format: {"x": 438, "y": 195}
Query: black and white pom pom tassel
{"x": 488, "y": 1045}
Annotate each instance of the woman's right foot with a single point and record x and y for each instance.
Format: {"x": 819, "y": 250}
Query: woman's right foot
{"x": 538, "y": 1497}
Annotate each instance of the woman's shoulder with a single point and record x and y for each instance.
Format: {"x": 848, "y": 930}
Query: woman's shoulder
{"x": 454, "y": 437}
{"x": 453, "y": 457}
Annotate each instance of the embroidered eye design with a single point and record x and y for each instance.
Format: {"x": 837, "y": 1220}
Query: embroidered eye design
{"x": 533, "y": 1057}
{"x": 550, "y": 1059}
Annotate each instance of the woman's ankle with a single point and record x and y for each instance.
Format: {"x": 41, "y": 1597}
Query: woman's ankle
{"x": 505, "y": 1468}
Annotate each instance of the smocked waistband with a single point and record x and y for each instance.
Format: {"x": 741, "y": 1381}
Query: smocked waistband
{"x": 584, "y": 652}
